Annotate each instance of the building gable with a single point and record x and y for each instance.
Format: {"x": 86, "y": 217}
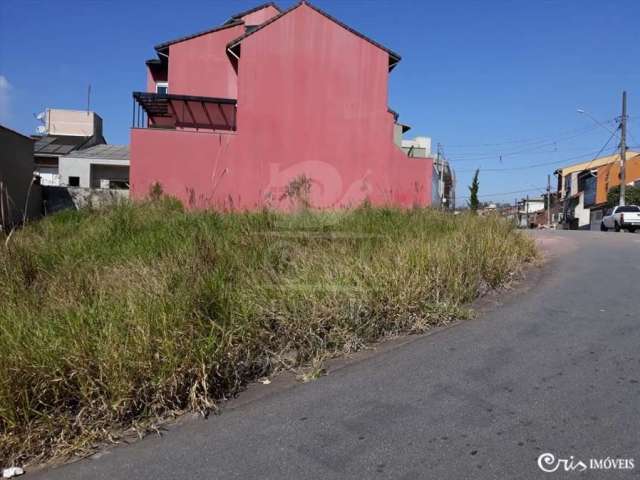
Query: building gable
{"x": 234, "y": 45}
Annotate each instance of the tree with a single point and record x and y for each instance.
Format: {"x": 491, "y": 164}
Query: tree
{"x": 474, "y": 203}
{"x": 631, "y": 196}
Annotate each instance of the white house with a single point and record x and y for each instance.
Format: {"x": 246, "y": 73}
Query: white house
{"x": 62, "y": 132}
{"x": 526, "y": 208}
{"x": 98, "y": 167}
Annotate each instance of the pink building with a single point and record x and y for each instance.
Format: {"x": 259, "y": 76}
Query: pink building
{"x": 235, "y": 116}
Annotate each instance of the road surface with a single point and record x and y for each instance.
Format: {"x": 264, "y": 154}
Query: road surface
{"x": 555, "y": 368}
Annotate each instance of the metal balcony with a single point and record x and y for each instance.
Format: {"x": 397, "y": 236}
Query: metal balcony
{"x": 169, "y": 111}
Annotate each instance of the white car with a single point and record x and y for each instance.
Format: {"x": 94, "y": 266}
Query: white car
{"x": 625, "y": 217}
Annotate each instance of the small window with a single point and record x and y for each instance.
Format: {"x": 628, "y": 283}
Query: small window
{"x": 162, "y": 88}
{"x": 118, "y": 184}
{"x": 74, "y": 181}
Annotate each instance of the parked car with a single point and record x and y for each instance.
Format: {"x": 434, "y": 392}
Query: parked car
{"x": 625, "y": 217}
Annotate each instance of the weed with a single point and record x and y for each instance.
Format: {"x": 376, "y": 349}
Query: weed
{"x": 113, "y": 319}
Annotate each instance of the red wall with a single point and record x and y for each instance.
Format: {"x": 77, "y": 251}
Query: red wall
{"x": 312, "y": 100}
{"x": 260, "y": 16}
{"x": 200, "y": 66}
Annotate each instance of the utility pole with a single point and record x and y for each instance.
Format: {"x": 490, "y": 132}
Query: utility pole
{"x": 623, "y": 148}
{"x": 452, "y": 191}
{"x": 527, "y": 210}
{"x": 440, "y": 173}
{"x": 549, "y": 201}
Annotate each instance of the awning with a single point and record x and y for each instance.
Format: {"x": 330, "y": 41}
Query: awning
{"x": 185, "y": 111}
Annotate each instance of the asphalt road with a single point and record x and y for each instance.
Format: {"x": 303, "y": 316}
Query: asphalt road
{"x": 554, "y": 368}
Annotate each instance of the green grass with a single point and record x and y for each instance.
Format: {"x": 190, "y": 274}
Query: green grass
{"x": 113, "y": 319}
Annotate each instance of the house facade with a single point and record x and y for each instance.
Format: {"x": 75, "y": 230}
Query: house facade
{"x": 98, "y": 167}
{"x": 63, "y": 131}
{"x": 232, "y": 117}
{"x": 528, "y": 208}
{"x": 583, "y": 188}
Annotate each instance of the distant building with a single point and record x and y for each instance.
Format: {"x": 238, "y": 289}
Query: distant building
{"x": 63, "y": 132}
{"x": 443, "y": 178}
{"x": 19, "y": 192}
{"x": 527, "y": 209}
{"x": 509, "y": 212}
{"x": 583, "y": 188}
{"x": 488, "y": 209}
{"x": 100, "y": 166}
{"x": 417, "y": 147}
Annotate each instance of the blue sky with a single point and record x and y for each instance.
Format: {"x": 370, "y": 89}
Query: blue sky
{"x": 483, "y": 78}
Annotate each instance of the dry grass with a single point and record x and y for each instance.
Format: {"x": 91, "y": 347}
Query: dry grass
{"x": 111, "y": 319}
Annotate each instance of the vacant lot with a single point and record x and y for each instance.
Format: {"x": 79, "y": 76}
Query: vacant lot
{"x": 111, "y": 319}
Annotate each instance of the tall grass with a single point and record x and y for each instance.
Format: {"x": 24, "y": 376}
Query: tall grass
{"x": 110, "y": 319}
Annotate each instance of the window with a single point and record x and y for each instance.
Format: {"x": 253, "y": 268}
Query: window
{"x": 109, "y": 177}
{"x": 74, "y": 181}
{"x": 162, "y": 88}
{"x": 589, "y": 188}
{"x": 118, "y": 185}
{"x": 628, "y": 209}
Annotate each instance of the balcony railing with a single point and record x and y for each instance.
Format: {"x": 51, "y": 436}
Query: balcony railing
{"x": 188, "y": 112}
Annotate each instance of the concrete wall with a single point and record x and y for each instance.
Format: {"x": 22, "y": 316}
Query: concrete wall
{"x": 79, "y": 123}
{"x": 16, "y": 175}
{"x": 583, "y": 214}
{"x": 62, "y": 198}
{"x": 573, "y": 179}
{"x": 533, "y": 206}
{"x": 312, "y": 101}
{"x": 81, "y": 167}
{"x": 49, "y": 176}
{"x": 421, "y": 145}
{"x": 397, "y": 134}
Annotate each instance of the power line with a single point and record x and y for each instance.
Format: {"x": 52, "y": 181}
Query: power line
{"x": 533, "y": 165}
{"x": 496, "y": 194}
{"x": 525, "y": 150}
{"x": 632, "y": 137}
{"x": 613, "y": 134}
{"x": 533, "y": 140}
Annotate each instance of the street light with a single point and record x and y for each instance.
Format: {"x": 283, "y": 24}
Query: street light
{"x": 582, "y": 111}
